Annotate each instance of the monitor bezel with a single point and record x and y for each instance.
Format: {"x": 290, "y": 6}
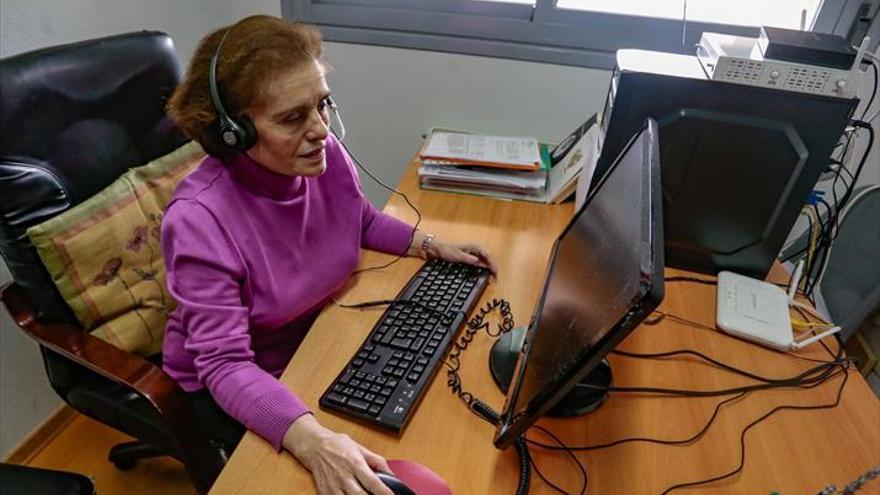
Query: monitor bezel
{"x": 650, "y": 294}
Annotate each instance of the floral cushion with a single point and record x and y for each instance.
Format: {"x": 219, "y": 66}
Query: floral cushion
{"x": 105, "y": 257}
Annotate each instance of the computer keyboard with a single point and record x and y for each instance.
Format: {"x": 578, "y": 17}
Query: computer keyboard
{"x": 384, "y": 381}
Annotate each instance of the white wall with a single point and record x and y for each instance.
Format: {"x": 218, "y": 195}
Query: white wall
{"x": 387, "y": 96}
{"x": 29, "y": 24}
{"x": 25, "y": 397}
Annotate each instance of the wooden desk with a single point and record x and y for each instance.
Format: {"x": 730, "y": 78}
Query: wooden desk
{"x": 793, "y": 452}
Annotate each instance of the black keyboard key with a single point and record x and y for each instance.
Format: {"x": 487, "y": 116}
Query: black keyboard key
{"x": 358, "y": 405}
{"x": 374, "y": 410}
{"x": 336, "y": 398}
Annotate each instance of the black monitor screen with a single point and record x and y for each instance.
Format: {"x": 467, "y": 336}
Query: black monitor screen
{"x": 604, "y": 277}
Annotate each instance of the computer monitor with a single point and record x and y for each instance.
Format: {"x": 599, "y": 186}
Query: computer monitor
{"x": 604, "y": 277}
{"x": 739, "y": 161}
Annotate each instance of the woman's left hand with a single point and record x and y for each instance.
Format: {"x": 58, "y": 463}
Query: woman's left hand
{"x": 470, "y": 253}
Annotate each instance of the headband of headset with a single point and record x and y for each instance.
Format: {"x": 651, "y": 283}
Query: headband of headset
{"x": 237, "y": 134}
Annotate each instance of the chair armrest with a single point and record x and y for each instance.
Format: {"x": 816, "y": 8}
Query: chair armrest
{"x": 72, "y": 342}
{"x": 203, "y": 461}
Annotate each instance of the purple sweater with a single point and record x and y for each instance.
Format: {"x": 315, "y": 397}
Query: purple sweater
{"x": 251, "y": 258}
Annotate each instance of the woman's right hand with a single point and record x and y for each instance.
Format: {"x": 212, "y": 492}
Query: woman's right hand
{"x": 337, "y": 463}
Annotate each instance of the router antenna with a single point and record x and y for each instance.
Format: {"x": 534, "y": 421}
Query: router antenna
{"x": 684, "y": 23}
{"x": 815, "y": 338}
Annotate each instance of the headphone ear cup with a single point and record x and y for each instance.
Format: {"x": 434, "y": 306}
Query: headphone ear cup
{"x": 238, "y": 134}
{"x": 248, "y": 132}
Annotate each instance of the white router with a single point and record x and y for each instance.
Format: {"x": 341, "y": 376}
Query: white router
{"x": 759, "y": 311}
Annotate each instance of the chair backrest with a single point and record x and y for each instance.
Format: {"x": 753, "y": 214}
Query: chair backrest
{"x": 850, "y": 286}
{"x": 73, "y": 118}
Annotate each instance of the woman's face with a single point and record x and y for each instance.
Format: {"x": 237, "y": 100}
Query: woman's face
{"x": 292, "y": 122}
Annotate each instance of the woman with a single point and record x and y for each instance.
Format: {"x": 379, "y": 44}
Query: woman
{"x": 256, "y": 241}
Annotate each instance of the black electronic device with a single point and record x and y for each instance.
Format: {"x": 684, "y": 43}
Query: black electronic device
{"x": 384, "y": 381}
{"x": 604, "y": 277}
{"x": 806, "y": 47}
{"x": 396, "y": 486}
{"x": 757, "y": 153}
{"x": 718, "y": 211}
{"x": 238, "y": 134}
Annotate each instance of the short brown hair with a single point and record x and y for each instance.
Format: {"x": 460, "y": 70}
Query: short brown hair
{"x": 257, "y": 49}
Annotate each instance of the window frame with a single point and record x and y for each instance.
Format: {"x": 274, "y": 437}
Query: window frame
{"x": 545, "y": 33}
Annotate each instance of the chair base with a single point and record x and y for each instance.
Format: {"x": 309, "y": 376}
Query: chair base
{"x": 125, "y": 455}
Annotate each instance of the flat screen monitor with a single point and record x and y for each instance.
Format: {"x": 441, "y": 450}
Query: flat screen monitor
{"x": 604, "y": 277}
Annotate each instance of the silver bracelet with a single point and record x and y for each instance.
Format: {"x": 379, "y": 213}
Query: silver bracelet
{"x": 426, "y": 243}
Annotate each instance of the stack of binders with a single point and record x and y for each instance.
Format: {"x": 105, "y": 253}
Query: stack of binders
{"x": 508, "y": 167}
{"x": 501, "y": 166}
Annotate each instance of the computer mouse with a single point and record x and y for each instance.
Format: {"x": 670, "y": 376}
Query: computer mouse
{"x": 395, "y": 485}
{"x": 418, "y": 478}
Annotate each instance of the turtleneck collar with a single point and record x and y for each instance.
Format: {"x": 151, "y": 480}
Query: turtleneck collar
{"x": 262, "y": 181}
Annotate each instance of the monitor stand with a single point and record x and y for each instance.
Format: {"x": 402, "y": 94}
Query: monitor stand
{"x": 579, "y": 401}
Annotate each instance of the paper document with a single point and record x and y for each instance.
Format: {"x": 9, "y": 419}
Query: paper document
{"x": 591, "y": 147}
{"x": 488, "y": 177}
{"x": 490, "y": 150}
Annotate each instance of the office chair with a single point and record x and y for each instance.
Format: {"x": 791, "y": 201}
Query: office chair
{"x": 849, "y": 289}
{"x": 25, "y": 480}
{"x": 73, "y": 118}
{"x": 850, "y": 286}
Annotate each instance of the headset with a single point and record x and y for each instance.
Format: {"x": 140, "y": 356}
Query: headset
{"x": 239, "y": 133}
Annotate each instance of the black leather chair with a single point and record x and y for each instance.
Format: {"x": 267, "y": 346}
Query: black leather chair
{"x": 73, "y": 118}
{"x": 26, "y": 480}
